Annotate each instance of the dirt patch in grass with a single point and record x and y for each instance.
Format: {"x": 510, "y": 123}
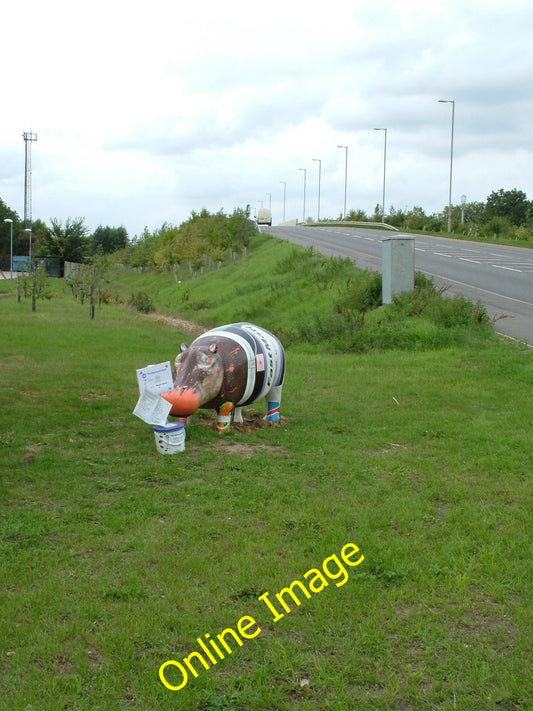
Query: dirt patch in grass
{"x": 187, "y": 326}
{"x": 246, "y": 451}
{"x": 95, "y": 656}
{"x": 251, "y": 422}
{"x": 91, "y": 395}
{"x": 62, "y": 665}
{"x": 254, "y": 421}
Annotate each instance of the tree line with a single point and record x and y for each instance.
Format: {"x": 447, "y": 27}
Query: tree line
{"x": 204, "y": 236}
{"x": 69, "y": 240}
{"x": 506, "y": 214}
{"x": 216, "y": 236}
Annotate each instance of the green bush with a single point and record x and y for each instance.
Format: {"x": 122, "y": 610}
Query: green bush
{"x": 497, "y": 227}
{"x": 297, "y": 261}
{"x": 430, "y": 302}
{"x": 417, "y": 320}
{"x": 141, "y": 302}
{"x": 361, "y": 294}
{"x": 523, "y": 234}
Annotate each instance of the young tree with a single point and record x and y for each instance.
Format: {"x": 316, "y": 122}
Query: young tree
{"x": 359, "y": 215}
{"x": 512, "y": 204}
{"x": 67, "y": 241}
{"x": 416, "y": 218}
{"x": 475, "y": 212}
{"x": 106, "y": 240}
{"x": 38, "y": 229}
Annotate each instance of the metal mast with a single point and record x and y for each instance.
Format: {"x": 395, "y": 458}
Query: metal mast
{"x": 28, "y": 138}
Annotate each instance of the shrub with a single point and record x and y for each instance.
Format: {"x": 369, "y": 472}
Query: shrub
{"x": 430, "y": 302}
{"x": 522, "y": 233}
{"x": 417, "y": 320}
{"x": 141, "y": 302}
{"x": 297, "y": 262}
{"x": 497, "y": 227}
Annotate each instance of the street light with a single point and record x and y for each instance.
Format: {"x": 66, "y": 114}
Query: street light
{"x": 28, "y": 229}
{"x": 8, "y": 219}
{"x": 269, "y": 200}
{"x": 283, "y": 182}
{"x": 319, "y": 176}
{"x": 463, "y": 202}
{"x": 384, "y": 170}
{"x": 452, "y": 102}
{"x": 345, "y": 176}
{"x": 305, "y": 178}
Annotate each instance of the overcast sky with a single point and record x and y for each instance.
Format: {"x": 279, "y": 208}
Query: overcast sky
{"x": 146, "y": 111}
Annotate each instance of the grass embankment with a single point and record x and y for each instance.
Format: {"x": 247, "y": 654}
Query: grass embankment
{"x": 307, "y": 300}
{"x": 116, "y": 559}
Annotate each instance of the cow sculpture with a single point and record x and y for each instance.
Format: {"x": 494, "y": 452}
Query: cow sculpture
{"x": 227, "y": 368}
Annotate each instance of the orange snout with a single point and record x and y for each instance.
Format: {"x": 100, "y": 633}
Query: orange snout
{"x": 183, "y": 403}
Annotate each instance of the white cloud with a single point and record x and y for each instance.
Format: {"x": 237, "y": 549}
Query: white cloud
{"x": 145, "y": 112}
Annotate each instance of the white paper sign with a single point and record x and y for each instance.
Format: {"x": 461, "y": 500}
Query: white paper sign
{"x": 157, "y": 378}
{"x": 152, "y": 408}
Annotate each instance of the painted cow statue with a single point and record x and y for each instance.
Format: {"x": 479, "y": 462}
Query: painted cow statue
{"x": 227, "y": 368}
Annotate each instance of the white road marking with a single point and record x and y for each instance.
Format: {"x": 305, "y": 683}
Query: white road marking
{"x": 479, "y": 288}
{"x": 510, "y": 269}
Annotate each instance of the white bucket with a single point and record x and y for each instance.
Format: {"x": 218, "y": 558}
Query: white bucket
{"x": 170, "y": 438}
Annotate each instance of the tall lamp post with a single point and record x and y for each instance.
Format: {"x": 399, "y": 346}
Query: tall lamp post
{"x": 305, "y": 178}
{"x": 8, "y": 219}
{"x": 345, "y": 176}
{"x": 317, "y": 160}
{"x": 28, "y": 229}
{"x": 284, "y": 183}
{"x": 269, "y": 200}
{"x": 452, "y": 102}
{"x": 384, "y": 171}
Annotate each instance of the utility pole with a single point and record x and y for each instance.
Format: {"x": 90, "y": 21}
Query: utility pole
{"x": 28, "y": 138}
{"x": 452, "y": 102}
{"x": 305, "y": 177}
{"x": 319, "y": 161}
{"x": 345, "y": 177}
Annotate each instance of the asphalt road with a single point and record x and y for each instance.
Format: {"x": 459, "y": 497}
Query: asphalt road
{"x": 500, "y": 277}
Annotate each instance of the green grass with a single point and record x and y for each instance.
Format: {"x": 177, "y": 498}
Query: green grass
{"x": 306, "y": 298}
{"x": 114, "y": 558}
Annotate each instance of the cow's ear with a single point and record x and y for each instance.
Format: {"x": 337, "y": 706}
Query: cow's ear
{"x": 213, "y": 348}
{"x": 184, "y": 347}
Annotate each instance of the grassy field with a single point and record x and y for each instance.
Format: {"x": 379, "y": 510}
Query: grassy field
{"x": 116, "y": 559}
{"x": 308, "y": 300}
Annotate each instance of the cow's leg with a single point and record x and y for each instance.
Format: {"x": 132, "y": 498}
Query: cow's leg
{"x": 273, "y": 399}
{"x": 224, "y": 413}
